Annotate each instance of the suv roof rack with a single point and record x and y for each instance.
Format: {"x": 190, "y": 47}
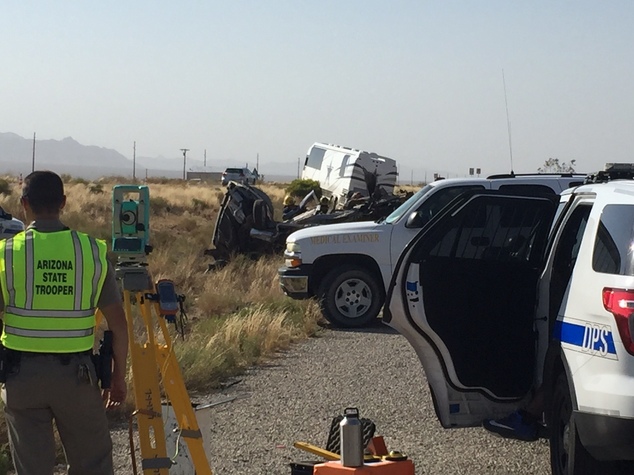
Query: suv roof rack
{"x": 513, "y": 175}
{"x": 612, "y": 171}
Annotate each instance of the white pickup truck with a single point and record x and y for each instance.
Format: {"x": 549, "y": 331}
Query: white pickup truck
{"x": 348, "y": 266}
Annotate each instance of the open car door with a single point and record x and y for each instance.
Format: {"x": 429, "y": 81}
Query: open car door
{"x": 463, "y": 294}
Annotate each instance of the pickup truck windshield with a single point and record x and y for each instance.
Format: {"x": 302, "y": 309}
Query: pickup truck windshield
{"x": 405, "y": 207}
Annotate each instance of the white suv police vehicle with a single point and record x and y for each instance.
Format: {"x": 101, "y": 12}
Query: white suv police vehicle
{"x": 348, "y": 266}
{"x": 502, "y": 293}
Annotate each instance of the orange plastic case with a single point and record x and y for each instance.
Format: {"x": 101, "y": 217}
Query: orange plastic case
{"x": 403, "y": 467}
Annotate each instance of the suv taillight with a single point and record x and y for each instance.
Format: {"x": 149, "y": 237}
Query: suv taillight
{"x": 620, "y": 303}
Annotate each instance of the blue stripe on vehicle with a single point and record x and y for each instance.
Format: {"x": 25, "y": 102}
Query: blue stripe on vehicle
{"x": 588, "y": 337}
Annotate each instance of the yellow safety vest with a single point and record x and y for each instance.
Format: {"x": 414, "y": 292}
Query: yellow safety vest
{"x": 51, "y": 284}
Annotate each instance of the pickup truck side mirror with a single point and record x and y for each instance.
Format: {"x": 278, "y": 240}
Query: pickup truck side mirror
{"x": 416, "y": 220}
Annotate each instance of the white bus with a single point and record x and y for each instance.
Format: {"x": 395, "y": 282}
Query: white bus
{"x": 343, "y": 171}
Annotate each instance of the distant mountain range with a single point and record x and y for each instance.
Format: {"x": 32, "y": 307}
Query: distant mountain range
{"x": 90, "y": 162}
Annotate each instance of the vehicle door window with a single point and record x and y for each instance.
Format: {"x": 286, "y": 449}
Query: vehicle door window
{"x": 496, "y": 232}
{"x": 614, "y": 244}
{"x": 437, "y": 201}
{"x": 566, "y": 256}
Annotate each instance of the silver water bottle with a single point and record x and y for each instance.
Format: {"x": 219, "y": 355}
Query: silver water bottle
{"x": 351, "y": 435}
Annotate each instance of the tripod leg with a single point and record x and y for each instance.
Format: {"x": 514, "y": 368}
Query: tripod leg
{"x": 183, "y": 410}
{"x": 147, "y": 398}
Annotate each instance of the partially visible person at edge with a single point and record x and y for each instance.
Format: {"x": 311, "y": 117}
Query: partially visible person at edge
{"x": 53, "y": 280}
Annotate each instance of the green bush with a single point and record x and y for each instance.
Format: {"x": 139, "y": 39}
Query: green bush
{"x": 301, "y": 187}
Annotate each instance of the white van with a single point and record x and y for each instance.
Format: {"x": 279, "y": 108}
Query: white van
{"x": 343, "y": 171}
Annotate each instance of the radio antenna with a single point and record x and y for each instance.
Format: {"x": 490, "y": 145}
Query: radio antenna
{"x": 508, "y": 122}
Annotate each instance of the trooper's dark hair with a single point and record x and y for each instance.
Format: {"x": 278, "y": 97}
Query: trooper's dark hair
{"x": 44, "y": 190}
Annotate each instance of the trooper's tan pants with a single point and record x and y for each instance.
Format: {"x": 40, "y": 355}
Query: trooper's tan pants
{"x": 45, "y": 389}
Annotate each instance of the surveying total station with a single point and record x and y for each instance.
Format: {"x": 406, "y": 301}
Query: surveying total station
{"x": 149, "y": 306}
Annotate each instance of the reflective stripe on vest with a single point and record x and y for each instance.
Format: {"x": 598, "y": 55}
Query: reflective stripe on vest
{"x": 51, "y": 283}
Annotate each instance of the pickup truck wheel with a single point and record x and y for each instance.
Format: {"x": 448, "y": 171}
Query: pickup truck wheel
{"x": 567, "y": 455}
{"x": 350, "y": 297}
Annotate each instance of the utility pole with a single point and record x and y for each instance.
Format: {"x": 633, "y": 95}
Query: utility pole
{"x": 205, "y": 159}
{"x": 297, "y": 167}
{"x": 134, "y": 162}
{"x": 184, "y": 150}
{"x": 33, "y": 159}
{"x": 257, "y": 162}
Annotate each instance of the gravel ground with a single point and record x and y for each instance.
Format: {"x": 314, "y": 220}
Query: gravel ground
{"x": 296, "y": 395}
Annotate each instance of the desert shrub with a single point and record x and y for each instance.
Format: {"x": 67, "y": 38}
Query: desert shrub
{"x": 79, "y": 181}
{"x": 301, "y": 187}
{"x": 159, "y": 205}
{"x": 96, "y": 188}
{"x": 187, "y": 224}
{"x": 5, "y": 187}
{"x": 200, "y": 205}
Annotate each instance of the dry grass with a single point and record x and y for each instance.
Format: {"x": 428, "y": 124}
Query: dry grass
{"x": 243, "y": 339}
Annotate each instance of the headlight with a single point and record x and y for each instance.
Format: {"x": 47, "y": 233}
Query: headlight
{"x": 292, "y": 255}
{"x": 292, "y": 247}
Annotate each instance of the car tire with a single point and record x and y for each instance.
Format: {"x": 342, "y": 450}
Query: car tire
{"x": 350, "y": 297}
{"x": 259, "y": 215}
{"x": 567, "y": 455}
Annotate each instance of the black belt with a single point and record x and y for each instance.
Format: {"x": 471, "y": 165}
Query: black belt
{"x": 64, "y": 358}
{"x": 61, "y": 355}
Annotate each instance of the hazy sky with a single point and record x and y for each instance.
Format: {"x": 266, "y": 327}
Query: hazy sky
{"x": 418, "y": 81}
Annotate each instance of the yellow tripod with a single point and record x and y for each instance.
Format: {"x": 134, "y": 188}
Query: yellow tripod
{"x": 154, "y": 365}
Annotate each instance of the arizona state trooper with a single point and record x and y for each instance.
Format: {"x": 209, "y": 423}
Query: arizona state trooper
{"x": 52, "y": 280}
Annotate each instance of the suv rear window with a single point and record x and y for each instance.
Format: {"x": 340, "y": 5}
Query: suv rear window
{"x": 613, "y": 247}
{"x": 233, "y": 170}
